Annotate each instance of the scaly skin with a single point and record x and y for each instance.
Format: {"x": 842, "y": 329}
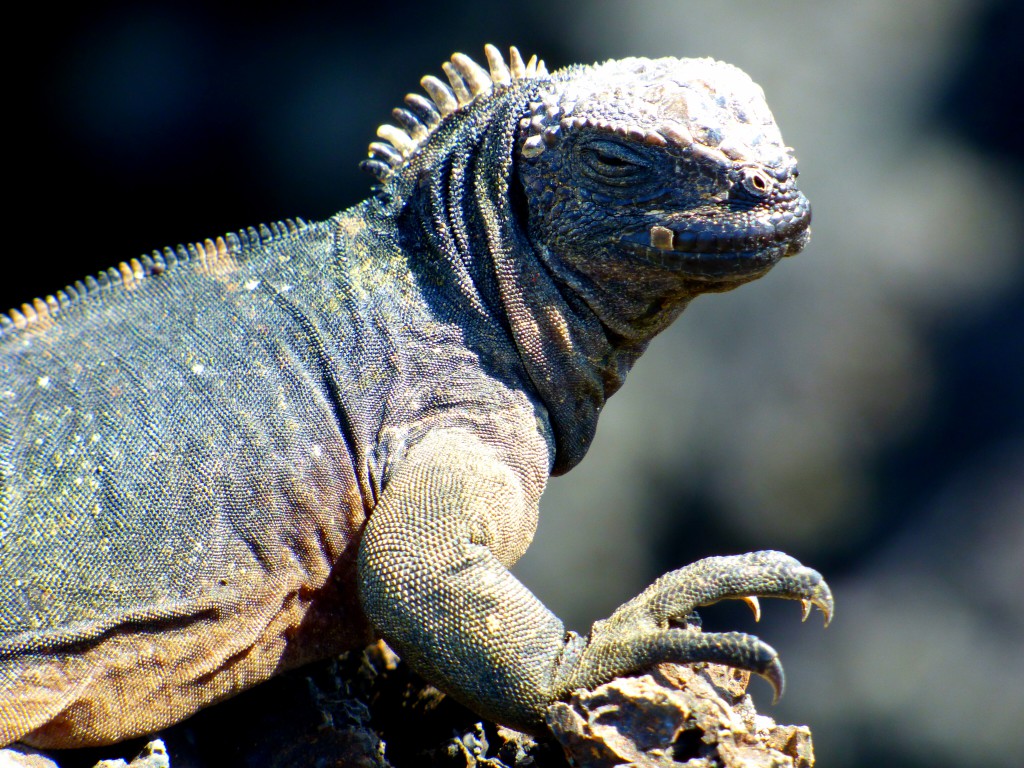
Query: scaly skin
{"x": 220, "y": 462}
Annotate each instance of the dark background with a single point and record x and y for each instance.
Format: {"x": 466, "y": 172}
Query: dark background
{"x": 861, "y": 407}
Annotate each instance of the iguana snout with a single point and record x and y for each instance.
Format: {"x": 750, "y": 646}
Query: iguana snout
{"x": 732, "y": 239}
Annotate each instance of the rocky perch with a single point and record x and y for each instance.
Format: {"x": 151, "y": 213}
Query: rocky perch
{"x": 369, "y": 710}
{"x": 677, "y": 716}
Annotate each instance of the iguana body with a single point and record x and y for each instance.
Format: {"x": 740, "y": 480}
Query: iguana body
{"x": 223, "y": 461}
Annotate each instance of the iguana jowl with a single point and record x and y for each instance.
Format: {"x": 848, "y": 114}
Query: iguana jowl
{"x": 221, "y": 461}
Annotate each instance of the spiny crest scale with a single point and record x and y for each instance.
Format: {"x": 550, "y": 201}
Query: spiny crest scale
{"x": 421, "y": 117}
{"x": 212, "y": 254}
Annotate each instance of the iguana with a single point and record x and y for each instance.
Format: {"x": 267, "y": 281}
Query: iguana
{"x": 224, "y": 460}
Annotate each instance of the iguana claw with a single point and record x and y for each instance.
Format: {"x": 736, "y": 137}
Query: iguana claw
{"x": 649, "y": 629}
{"x": 822, "y": 600}
{"x": 754, "y": 606}
{"x": 776, "y": 678}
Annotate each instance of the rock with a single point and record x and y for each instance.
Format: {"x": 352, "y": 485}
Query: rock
{"x": 698, "y": 717}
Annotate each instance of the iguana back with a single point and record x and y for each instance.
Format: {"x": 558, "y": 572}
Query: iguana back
{"x": 176, "y": 484}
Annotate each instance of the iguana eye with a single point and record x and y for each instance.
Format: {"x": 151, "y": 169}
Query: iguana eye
{"x": 756, "y": 182}
{"x": 609, "y": 162}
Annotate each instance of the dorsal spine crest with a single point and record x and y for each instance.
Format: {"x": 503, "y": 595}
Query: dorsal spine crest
{"x": 128, "y": 274}
{"x": 420, "y": 118}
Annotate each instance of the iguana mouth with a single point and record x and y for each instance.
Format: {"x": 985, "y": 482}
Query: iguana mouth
{"x": 724, "y": 248}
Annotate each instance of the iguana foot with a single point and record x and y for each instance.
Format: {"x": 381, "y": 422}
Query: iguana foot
{"x": 652, "y": 627}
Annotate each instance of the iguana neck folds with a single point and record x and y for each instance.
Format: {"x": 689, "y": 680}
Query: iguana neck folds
{"x": 581, "y": 211}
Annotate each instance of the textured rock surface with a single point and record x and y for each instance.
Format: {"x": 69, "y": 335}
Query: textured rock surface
{"x": 700, "y": 718}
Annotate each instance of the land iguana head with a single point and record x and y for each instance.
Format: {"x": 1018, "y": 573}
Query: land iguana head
{"x": 670, "y": 164}
{"x": 590, "y": 205}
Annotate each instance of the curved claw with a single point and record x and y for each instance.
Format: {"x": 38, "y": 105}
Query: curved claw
{"x": 755, "y": 606}
{"x": 822, "y": 600}
{"x": 776, "y": 679}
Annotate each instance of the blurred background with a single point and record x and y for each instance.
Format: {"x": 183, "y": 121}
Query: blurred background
{"x": 859, "y": 408}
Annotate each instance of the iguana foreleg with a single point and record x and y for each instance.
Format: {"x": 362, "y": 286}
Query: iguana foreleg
{"x": 434, "y": 581}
